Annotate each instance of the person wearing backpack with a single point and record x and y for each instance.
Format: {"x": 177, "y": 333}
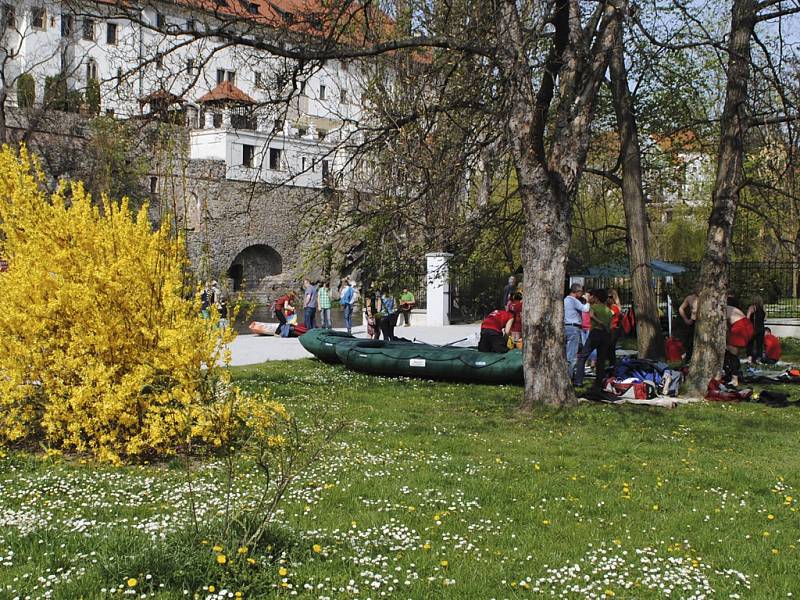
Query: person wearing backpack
{"x": 599, "y": 338}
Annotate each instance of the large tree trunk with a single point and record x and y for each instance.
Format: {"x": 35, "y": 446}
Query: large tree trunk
{"x": 544, "y": 257}
{"x": 710, "y": 332}
{"x": 650, "y": 340}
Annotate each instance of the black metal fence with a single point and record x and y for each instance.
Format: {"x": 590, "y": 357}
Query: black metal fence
{"x": 776, "y": 282}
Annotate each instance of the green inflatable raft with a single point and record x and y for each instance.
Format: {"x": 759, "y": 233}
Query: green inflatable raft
{"x": 322, "y": 343}
{"x": 432, "y": 362}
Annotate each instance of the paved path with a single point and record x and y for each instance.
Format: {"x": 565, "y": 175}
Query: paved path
{"x": 248, "y": 349}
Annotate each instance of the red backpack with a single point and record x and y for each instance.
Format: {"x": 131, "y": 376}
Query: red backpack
{"x": 629, "y": 321}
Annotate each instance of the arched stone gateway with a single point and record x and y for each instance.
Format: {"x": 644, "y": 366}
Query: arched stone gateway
{"x": 252, "y": 265}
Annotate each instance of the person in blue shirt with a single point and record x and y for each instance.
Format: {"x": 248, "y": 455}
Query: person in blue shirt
{"x": 347, "y": 299}
{"x": 310, "y": 304}
{"x": 389, "y": 314}
{"x": 573, "y": 318}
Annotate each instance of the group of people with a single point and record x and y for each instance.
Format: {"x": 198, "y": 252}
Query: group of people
{"x": 501, "y": 330}
{"x": 592, "y": 326}
{"x": 382, "y": 312}
{"x": 381, "y": 309}
{"x": 212, "y": 296}
{"x": 747, "y": 334}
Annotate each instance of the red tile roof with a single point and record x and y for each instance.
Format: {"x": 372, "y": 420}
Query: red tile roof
{"x": 226, "y": 92}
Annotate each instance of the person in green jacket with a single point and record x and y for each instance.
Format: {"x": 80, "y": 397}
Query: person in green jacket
{"x": 407, "y": 302}
{"x": 599, "y": 338}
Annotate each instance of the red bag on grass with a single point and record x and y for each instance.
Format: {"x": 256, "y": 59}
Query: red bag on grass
{"x": 673, "y": 349}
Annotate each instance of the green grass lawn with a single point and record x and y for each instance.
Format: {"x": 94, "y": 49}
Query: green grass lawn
{"x": 437, "y": 491}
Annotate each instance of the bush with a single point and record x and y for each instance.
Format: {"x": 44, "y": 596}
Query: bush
{"x": 26, "y": 91}
{"x": 102, "y": 351}
{"x": 93, "y": 96}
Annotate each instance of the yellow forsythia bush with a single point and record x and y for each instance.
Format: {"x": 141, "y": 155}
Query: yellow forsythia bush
{"x": 100, "y": 350}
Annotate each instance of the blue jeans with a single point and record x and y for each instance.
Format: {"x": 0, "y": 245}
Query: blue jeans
{"x": 573, "y": 337}
{"x": 325, "y": 313}
{"x": 348, "y": 317}
{"x": 309, "y": 314}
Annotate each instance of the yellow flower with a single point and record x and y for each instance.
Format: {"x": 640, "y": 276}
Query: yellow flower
{"x": 775, "y": 551}
{"x": 655, "y": 506}
{"x": 217, "y": 548}
{"x": 766, "y": 534}
{"x": 546, "y": 522}
{"x": 242, "y": 550}
{"x": 212, "y": 589}
{"x": 316, "y": 548}
{"x": 426, "y": 546}
{"x": 283, "y": 572}
{"x": 132, "y": 582}
{"x": 238, "y": 595}
{"x": 444, "y": 564}
{"x": 770, "y": 517}
{"x": 609, "y": 593}
{"x": 222, "y": 559}
{"x": 251, "y": 561}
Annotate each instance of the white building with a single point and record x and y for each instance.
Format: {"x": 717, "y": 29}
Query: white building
{"x": 267, "y": 118}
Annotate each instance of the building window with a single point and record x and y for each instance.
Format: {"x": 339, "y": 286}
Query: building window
{"x": 161, "y": 22}
{"x": 111, "y": 34}
{"x": 39, "y": 18}
{"x": 303, "y": 164}
{"x": 159, "y": 61}
{"x": 275, "y": 159}
{"x": 321, "y": 134}
{"x": 326, "y": 169}
{"x": 277, "y": 126}
{"x": 9, "y": 16}
{"x": 88, "y": 30}
{"x": 322, "y": 92}
{"x": 67, "y": 25}
{"x": 190, "y": 66}
{"x": 224, "y": 75}
{"x": 91, "y": 70}
{"x": 191, "y": 25}
{"x": 258, "y": 79}
{"x": 110, "y": 112}
{"x": 217, "y": 120}
{"x": 154, "y": 185}
{"x": 252, "y": 8}
{"x": 248, "y": 152}
{"x": 343, "y": 95}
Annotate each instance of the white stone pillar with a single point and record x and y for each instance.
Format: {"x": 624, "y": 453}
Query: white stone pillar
{"x": 226, "y": 118}
{"x": 209, "y": 119}
{"x": 438, "y": 302}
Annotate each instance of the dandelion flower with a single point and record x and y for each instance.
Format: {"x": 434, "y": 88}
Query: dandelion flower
{"x": 775, "y": 551}
{"x": 132, "y": 582}
{"x": 222, "y": 559}
{"x": 217, "y": 548}
{"x": 283, "y": 572}
{"x": 445, "y": 563}
{"x": 242, "y": 550}
{"x": 212, "y": 589}
{"x": 316, "y": 548}
{"x": 251, "y": 561}
{"x": 770, "y": 517}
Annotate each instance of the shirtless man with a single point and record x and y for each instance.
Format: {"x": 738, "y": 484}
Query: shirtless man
{"x": 740, "y": 332}
{"x": 688, "y": 312}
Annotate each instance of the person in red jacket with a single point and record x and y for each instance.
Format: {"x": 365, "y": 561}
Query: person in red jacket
{"x": 772, "y": 347}
{"x": 494, "y": 331}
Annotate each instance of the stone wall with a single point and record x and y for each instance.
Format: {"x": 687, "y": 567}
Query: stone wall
{"x": 253, "y": 225}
